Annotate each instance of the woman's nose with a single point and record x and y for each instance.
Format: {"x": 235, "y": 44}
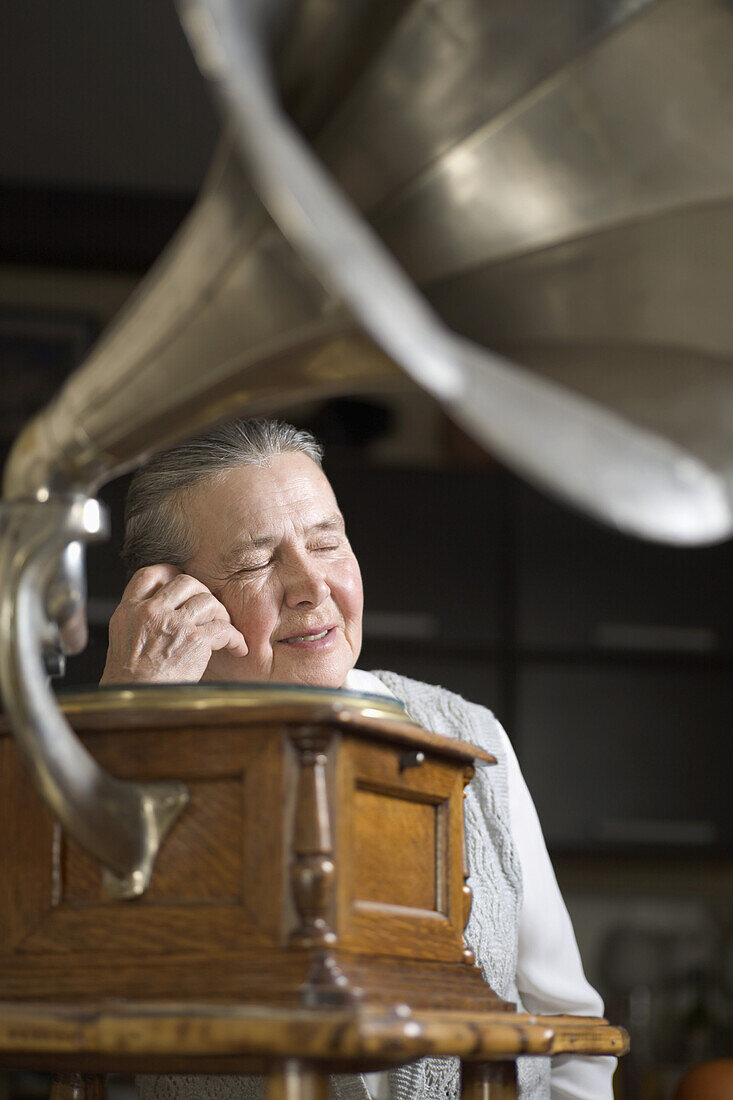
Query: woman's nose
{"x": 305, "y": 585}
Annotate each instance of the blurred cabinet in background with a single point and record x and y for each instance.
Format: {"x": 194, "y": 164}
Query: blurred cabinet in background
{"x": 430, "y": 543}
{"x": 583, "y": 586}
{"x": 628, "y": 755}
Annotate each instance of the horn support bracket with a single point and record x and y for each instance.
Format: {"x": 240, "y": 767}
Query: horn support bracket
{"x": 122, "y": 824}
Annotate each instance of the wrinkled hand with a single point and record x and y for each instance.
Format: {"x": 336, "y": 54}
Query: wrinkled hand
{"x": 165, "y": 629}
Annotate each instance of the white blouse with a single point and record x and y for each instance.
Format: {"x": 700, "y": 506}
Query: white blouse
{"x": 550, "y": 974}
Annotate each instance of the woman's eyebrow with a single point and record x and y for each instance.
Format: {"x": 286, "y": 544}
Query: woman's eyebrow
{"x": 331, "y": 523}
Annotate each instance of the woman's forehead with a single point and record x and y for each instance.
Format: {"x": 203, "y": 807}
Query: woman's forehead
{"x": 255, "y": 502}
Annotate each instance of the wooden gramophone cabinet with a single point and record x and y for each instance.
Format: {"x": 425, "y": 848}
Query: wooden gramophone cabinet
{"x": 308, "y": 905}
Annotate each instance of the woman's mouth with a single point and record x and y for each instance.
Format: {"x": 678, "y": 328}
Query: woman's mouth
{"x": 309, "y": 639}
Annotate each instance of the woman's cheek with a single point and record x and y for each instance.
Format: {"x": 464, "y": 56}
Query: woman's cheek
{"x": 253, "y": 610}
{"x": 347, "y": 581}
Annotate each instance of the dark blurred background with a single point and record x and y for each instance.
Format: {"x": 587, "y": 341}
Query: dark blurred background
{"x": 609, "y": 661}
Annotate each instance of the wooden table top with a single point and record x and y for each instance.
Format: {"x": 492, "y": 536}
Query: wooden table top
{"x": 126, "y": 1035}
{"x": 207, "y": 706}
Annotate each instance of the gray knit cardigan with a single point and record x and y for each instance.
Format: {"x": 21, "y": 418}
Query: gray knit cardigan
{"x": 492, "y": 932}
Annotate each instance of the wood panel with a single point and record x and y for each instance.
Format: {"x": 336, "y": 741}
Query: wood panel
{"x": 27, "y": 836}
{"x": 202, "y": 861}
{"x": 394, "y": 863}
{"x": 219, "y": 880}
{"x": 399, "y": 822}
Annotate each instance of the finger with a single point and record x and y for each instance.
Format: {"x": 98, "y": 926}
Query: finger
{"x": 203, "y": 607}
{"x": 178, "y": 591}
{"x": 148, "y": 580}
{"x": 237, "y": 645}
{"x": 222, "y": 635}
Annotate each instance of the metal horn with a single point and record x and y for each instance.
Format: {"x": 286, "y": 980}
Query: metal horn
{"x": 523, "y": 200}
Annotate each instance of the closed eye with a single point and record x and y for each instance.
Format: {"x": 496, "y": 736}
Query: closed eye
{"x": 252, "y": 568}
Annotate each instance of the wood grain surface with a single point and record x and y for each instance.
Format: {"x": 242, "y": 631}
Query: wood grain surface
{"x": 130, "y": 1034}
{"x": 307, "y": 908}
{"x": 297, "y": 836}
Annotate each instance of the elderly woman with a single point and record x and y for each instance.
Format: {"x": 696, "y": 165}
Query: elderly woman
{"x": 242, "y": 571}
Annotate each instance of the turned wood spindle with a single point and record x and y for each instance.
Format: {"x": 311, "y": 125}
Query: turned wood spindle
{"x": 488, "y": 1081}
{"x": 468, "y": 955}
{"x": 78, "y": 1086}
{"x": 293, "y": 1079}
{"x": 313, "y": 870}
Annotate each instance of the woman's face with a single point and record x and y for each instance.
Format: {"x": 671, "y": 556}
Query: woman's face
{"x": 273, "y": 549}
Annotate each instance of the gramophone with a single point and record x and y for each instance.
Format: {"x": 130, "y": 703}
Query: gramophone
{"x": 401, "y": 188}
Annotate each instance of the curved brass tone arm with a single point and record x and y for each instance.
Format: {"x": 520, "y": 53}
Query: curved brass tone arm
{"x": 121, "y": 823}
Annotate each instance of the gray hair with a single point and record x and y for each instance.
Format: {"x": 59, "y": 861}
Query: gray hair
{"x": 156, "y": 526}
